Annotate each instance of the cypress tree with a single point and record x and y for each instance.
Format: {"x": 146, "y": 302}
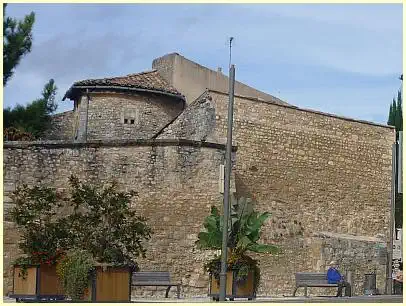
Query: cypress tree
{"x": 399, "y": 115}
{"x": 392, "y": 113}
{"x": 395, "y": 119}
{"x": 390, "y": 116}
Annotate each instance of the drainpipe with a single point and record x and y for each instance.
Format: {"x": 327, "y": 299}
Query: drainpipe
{"x": 87, "y": 113}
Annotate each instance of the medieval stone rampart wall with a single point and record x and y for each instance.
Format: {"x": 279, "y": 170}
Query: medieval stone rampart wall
{"x": 328, "y": 173}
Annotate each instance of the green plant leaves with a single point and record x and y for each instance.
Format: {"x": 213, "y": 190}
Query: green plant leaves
{"x": 210, "y": 241}
{"x": 243, "y": 235}
{"x": 263, "y": 248}
{"x": 75, "y": 271}
{"x": 100, "y": 220}
{"x": 212, "y": 237}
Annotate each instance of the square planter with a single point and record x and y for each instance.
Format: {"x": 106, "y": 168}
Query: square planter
{"x": 41, "y": 282}
{"x": 233, "y": 288}
{"x": 110, "y": 284}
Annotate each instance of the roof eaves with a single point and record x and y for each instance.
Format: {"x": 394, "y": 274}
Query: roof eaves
{"x": 139, "y": 89}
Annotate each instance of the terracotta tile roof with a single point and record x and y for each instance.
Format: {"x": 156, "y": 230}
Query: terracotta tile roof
{"x": 148, "y": 80}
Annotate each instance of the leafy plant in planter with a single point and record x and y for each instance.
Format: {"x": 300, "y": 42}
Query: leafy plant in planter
{"x": 43, "y": 237}
{"x": 97, "y": 222}
{"x": 75, "y": 271}
{"x": 243, "y": 236}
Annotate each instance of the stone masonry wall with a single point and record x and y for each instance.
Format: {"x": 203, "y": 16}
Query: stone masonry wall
{"x": 197, "y": 122}
{"x": 177, "y": 182}
{"x": 356, "y": 254}
{"x": 310, "y": 170}
{"x": 62, "y": 127}
{"x": 314, "y": 172}
{"x": 145, "y": 114}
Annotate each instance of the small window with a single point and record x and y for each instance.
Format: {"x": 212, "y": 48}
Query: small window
{"x": 129, "y": 116}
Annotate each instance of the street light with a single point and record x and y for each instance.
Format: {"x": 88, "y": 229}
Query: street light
{"x": 226, "y": 203}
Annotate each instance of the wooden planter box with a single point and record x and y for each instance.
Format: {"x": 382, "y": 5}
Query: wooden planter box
{"x": 233, "y": 289}
{"x": 110, "y": 284}
{"x": 41, "y": 282}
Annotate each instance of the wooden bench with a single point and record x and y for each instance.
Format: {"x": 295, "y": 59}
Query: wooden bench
{"x": 311, "y": 279}
{"x": 162, "y": 279}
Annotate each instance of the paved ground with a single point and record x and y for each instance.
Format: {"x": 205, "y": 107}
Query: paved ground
{"x": 264, "y": 299}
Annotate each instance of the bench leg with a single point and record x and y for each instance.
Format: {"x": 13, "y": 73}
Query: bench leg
{"x": 294, "y": 291}
{"x": 167, "y": 291}
{"x": 306, "y": 291}
{"x": 178, "y": 291}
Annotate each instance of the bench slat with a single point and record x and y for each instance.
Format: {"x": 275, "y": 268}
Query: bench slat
{"x": 312, "y": 279}
{"x": 154, "y": 284}
{"x": 152, "y": 278}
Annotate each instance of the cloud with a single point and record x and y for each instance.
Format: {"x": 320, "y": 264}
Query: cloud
{"x": 371, "y": 104}
{"x": 301, "y": 51}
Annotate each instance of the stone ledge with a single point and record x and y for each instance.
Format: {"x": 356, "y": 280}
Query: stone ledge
{"x": 114, "y": 143}
{"x": 348, "y": 237}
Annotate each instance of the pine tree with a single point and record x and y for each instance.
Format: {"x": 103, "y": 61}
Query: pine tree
{"x": 35, "y": 118}
{"x": 17, "y": 42}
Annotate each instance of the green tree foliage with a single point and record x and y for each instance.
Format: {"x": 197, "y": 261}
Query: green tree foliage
{"x": 98, "y": 220}
{"x": 104, "y": 223}
{"x": 391, "y": 117}
{"x": 399, "y": 113}
{"x": 395, "y": 119}
{"x": 35, "y": 213}
{"x": 35, "y": 118}
{"x": 17, "y": 42}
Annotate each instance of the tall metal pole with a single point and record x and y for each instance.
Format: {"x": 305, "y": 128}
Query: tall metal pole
{"x": 223, "y": 273}
{"x": 400, "y": 150}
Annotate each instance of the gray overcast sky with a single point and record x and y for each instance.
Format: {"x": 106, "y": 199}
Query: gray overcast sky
{"x": 338, "y": 58}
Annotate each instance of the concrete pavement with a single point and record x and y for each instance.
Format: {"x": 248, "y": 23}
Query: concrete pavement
{"x": 265, "y": 299}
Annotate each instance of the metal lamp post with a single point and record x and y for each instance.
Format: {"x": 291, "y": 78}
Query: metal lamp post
{"x": 226, "y": 203}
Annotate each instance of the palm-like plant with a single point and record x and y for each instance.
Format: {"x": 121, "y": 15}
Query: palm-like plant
{"x": 243, "y": 236}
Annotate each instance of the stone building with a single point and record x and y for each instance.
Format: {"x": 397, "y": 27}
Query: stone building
{"x": 326, "y": 179}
